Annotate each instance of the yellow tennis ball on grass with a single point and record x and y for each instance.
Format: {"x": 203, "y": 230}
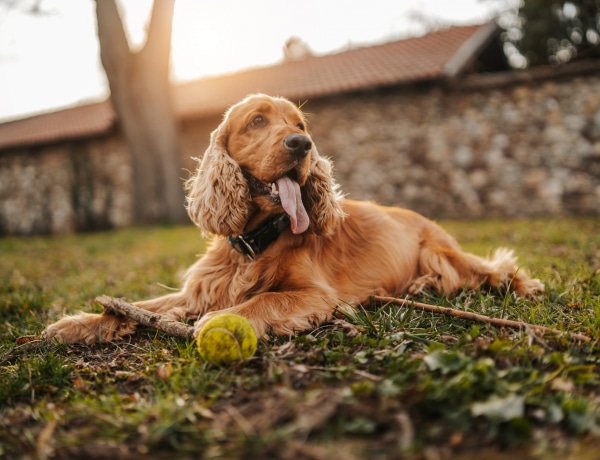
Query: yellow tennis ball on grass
{"x": 226, "y": 337}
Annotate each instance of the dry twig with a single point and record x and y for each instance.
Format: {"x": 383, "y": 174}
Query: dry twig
{"x": 146, "y": 318}
{"x": 480, "y": 318}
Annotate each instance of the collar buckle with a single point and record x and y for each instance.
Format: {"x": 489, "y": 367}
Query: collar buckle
{"x": 244, "y": 247}
{"x": 256, "y": 241}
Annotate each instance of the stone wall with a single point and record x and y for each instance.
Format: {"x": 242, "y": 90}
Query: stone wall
{"x": 66, "y": 187}
{"x": 525, "y": 149}
{"x": 447, "y": 151}
{"x": 82, "y": 185}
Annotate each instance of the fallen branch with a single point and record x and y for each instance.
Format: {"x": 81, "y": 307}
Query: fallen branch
{"x": 147, "y": 318}
{"x": 480, "y": 318}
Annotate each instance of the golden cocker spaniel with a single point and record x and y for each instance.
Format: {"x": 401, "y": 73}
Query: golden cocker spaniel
{"x": 288, "y": 247}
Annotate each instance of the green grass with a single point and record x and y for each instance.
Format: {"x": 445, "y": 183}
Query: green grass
{"x": 384, "y": 382}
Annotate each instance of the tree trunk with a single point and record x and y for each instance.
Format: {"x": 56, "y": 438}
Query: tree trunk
{"x": 141, "y": 95}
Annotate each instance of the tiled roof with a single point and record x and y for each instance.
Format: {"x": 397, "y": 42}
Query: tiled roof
{"x": 82, "y": 121}
{"x": 433, "y": 56}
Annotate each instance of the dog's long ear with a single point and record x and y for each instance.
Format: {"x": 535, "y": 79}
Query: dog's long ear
{"x": 218, "y": 198}
{"x": 321, "y": 196}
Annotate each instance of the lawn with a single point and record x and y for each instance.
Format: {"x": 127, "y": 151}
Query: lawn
{"x": 387, "y": 382}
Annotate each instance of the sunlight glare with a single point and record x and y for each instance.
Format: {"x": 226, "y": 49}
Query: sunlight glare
{"x": 135, "y": 15}
{"x": 50, "y": 78}
{"x": 209, "y": 41}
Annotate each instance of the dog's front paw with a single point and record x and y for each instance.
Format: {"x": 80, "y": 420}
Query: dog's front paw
{"x": 71, "y": 329}
{"x": 88, "y": 328}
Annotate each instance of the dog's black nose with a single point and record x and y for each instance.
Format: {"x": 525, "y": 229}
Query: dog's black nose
{"x": 298, "y": 144}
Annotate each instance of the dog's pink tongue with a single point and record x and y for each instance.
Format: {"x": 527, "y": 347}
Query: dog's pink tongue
{"x": 291, "y": 200}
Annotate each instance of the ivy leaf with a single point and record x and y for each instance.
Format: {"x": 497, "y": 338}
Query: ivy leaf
{"x": 502, "y": 409}
{"x": 445, "y": 361}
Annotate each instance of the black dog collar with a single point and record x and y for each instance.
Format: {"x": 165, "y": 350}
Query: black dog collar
{"x": 259, "y": 239}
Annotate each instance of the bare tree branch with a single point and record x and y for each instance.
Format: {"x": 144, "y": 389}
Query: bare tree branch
{"x": 114, "y": 48}
{"x": 160, "y": 26}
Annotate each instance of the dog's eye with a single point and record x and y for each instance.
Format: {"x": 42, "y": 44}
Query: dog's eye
{"x": 257, "y": 122}
{"x": 300, "y": 126}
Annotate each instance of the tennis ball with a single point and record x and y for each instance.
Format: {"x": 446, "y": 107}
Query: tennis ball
{"x": 226, "y": 337}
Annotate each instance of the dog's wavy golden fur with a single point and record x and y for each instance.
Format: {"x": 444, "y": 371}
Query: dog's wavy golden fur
{"x": 262, "y": 163}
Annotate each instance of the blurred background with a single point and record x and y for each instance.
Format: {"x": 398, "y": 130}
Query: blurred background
{"x": 471, "y": 108}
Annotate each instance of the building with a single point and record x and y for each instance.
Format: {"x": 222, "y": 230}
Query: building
{"x": 438, "y": 124}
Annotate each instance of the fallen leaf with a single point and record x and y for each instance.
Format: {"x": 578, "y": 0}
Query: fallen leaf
{"x": 164, "y": 371}
{"x": 26, "y": 339}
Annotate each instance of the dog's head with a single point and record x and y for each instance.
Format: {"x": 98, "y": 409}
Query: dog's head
{"x": 262, "y": 161}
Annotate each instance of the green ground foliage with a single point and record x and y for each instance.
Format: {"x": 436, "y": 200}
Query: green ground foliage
{"x": 386, "y": 382}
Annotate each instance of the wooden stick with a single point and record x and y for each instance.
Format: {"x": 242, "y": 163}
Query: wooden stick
{"x": 147, "y": 318}
{"x": 481, "y": 318}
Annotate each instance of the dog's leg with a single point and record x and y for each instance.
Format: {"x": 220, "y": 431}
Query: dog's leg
{"x": 91, "y": 328}
{"x": 503, "y": 270}
{"x": 449, "y": 269}
{"x": 282, "y": 313}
